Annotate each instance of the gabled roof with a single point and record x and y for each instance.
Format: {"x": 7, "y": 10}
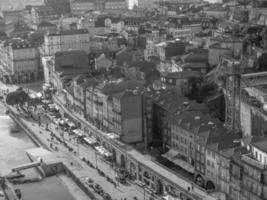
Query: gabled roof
{"x": 71, "y": 62}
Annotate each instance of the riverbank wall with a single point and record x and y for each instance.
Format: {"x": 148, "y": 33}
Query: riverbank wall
{"x": 36, "y": 140}
{"x": 74, "y": 175}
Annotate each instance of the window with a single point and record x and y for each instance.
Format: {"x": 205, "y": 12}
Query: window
{"x": 212, "y": 164}
{"x": 202, "y": 158}
{"x": 202, "y": 169}
{"x": 197, "y": 166}
{"x": 208, "y": 162}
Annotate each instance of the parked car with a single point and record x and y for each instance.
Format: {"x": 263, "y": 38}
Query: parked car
{"x": 121, "y": 180}
{"x": 98, "y": 189}
{"x": 106, "y": 196}
{"x": 89, "y": 181}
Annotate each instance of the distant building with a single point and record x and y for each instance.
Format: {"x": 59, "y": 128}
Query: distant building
{"x": 115, "y": 5}
{"x": 47, "y": 27}
{"x": 81, "y": 7}
{"x": 66, "y": 40}
{"x": 59, "y": 6}
{"x": 67, "y": 65}
{"x": 146, "y": 3}
{"x": 42, "y": 13}
{"x": 177, "y": 81}
{"x": 15, "y": 16}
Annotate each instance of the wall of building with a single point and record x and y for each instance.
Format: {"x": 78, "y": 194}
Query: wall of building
{"x": 58, "y": 42}
{"x": 215, "y": 54}
{"x": 132, "y": 119}
{"x": 245, "y": 118}
{"x": 79, "y": 8}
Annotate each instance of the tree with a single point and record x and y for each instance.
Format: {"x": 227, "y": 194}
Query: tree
{"x": 17, "y": 97}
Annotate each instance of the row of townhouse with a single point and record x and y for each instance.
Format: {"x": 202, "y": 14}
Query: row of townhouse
{"x": 114, "y": 106}
{"x": 219, "y": 161}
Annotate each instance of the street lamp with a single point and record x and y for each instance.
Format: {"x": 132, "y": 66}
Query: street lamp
{"x": 96, "y": 159}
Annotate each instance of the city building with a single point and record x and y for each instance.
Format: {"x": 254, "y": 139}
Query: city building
{"x": 117, "y": 108}
{"x": 66, "y": 40}
{"x": 20, "y": 61}
{"x": 15, "y": 16}
{"x": 178, "y": 81}
{"x": 42, "y": 13}
{"x": 146, "y": 3}
{"x": 67, "y": 65}
{"x": 47, "y": 27}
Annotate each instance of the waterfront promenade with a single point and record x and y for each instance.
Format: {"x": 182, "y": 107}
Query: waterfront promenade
{"x": 121, "y": 191}
{"x": 80, "y": 169}
{"x": 181, "y": 182}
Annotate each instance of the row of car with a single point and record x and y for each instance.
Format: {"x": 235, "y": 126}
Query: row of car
{"x": 97, "y": 188}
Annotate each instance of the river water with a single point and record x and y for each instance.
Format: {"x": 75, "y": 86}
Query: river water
{"x": 12, "y": 153}
{"x": 12, "y": 145}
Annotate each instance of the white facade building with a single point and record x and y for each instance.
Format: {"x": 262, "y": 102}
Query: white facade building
{"x": 66, "y": 40}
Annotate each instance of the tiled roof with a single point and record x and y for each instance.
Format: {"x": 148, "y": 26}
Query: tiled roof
{"x": 71, "y": 62}
{"x": 118, "y": 86}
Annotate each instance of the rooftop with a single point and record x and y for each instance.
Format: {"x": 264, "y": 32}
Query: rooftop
{"x": 113, "y": 87}
{"x": 261, "y": 145}
{"x": 183, "y": 74}
{"x": 70, "y": 32}
{"x": 71, "y": 62}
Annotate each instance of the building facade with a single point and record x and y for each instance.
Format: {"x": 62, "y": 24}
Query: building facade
{"x": 21, "y": 62}
{"x": 66, "y": 40}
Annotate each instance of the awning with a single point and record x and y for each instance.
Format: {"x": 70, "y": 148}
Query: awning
{"x": 71, "y": 124}
{"x": 170, "y": 155}
{"x": 169, "y": 197}
{"x": 32, "y": 96}
{"x": 103, "y": 151}
{"x": 112, "y": 136}
{"x": 183, "y": 164}
{"x": 39, "y": 94}
{"x": 90, "y": 140}
{"x": 77, "y": 132}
